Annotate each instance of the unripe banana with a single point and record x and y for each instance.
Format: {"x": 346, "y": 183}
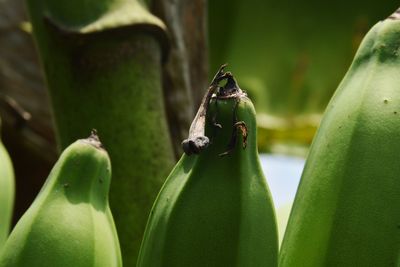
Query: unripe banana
{"x": 347, "y": 208}
{"x": 69, "y": 224}
{"x": 215, "y": 208}
{"x": 7, "y": 192}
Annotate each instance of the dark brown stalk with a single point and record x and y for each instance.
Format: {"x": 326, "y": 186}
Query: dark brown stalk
{"x": 197, "y": 140}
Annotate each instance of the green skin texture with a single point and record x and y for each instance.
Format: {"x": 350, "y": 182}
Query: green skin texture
{"x": 104, "y": 72}
{"x": 7, "y": 192}
{"x": 212, "y": 210}
{"x": 70, "y": 222}
{"x": 346, "y": 211}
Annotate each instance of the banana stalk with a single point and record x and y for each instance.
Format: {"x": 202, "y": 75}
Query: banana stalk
{"x": 70, "y": 222}
{"x": 215, "y": 208}
{"x": 102, "y": 61}
{"x": 346, "y": 211}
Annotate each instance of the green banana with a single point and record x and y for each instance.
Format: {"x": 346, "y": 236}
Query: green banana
{"x": 70, "y": 223}
{"x": 215, "y": 208}
{"x": 346, "y": 211}
{"x": 7, "y": 192}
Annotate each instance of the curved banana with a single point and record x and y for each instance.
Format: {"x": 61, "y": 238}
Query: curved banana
{"x": 347, "y": 208}
{"x": 215, "y": 208}
{"x": 7, "y": 192}
{"x": 69, "y": 224}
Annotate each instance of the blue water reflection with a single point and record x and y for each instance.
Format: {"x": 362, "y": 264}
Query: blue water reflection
{"x": 283, "y": 175}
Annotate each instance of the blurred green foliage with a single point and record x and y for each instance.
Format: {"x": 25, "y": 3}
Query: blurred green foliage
{"x": 290, "y": 55}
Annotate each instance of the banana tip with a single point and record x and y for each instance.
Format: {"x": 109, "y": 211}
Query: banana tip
{"x": 195, "y": 145}
{"x": 395, "y": 15}
{"x": 94, "y": 140}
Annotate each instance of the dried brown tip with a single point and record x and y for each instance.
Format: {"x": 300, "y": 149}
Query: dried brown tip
{"x": 94, "y": 140}
{"x": 195, "y": 145}
{"x": 197, "y": 141}
{"x": 395, "y": 15}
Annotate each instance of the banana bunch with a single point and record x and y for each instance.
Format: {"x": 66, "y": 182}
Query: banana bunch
{"x": 69, "y": 224}
{"x": 7, "y": 192}
{"x": 347, "y": 208}
{"x": 215, "y": 208}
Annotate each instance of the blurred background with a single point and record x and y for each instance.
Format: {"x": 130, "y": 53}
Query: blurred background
{"x": 289, "y": 56}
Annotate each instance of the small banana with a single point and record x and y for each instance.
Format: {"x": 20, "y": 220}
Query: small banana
{"x": 7, "y": 192}
{"x": 69, "y": 224}
{"x": 215, "y": 208}
{"x": 347, "y": 208}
